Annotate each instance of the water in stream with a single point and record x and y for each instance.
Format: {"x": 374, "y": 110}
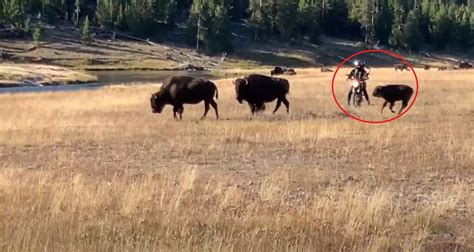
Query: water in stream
{"x": 112, "y": 78}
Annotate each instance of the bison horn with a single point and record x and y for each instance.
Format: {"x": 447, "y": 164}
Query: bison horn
{"x": 246, "y": 82}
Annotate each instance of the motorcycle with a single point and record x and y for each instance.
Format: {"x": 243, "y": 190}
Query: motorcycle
{"x": 357, "y": 93}
{"x": 357, "y": 84}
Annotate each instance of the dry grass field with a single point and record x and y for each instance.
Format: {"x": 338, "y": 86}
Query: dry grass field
{"x": 97, "y": 171}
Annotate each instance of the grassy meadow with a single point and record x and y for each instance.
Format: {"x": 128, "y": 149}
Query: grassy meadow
{"x": 95, "y": 170}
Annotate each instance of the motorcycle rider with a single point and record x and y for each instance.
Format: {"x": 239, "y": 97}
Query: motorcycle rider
{"x": 360, "y": 73}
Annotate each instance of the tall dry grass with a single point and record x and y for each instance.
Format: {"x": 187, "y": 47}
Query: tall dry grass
{"x": 95, "y": 170}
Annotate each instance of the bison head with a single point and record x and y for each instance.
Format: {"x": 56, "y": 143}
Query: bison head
{"x": 239, "y": 86}
{"x": 156, "y": 103}
{"x": 377, "y": 91}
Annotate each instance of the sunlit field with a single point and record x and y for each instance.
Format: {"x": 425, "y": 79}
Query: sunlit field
{"x": 97, "y": 171}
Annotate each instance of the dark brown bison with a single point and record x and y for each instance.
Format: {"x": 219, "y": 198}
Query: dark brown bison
{"x": 179, "y": 90}
{"x": 393, "y": 93}
{"x": 427, "y": 67}
{"x": 401, "y": 67}
{"x": 258, "y": 89}
{"x": 278, "y": 70}
{"x": 442, "y": 68}
{"x": 465, "y": 65}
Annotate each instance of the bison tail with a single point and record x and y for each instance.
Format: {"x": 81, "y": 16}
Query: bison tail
{"x": 217, "y": 94}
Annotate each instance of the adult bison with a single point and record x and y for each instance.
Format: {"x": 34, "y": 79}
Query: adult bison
{"x": 465, "y": 65}
{"x": 401, "y": 67}
{"x": 179, "y": 90}
{"x": 282, "y": 70}
{"x": 258, "y": 89}
{"x": 393, "y": 93}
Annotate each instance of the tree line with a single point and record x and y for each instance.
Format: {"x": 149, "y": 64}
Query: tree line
{"x": 400, "y": 24}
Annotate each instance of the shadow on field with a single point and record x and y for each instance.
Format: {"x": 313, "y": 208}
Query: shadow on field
{"x": 300, "y": 116}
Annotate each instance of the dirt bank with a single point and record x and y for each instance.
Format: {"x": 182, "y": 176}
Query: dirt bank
{"x": 15, "y": 75}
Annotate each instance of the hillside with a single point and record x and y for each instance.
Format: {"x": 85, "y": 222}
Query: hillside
{"x": 61, "y": 46}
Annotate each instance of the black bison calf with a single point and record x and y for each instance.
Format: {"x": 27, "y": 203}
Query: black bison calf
{"x": 179, "y": 90}
{"x": 401, "y": 67}
{"x": 258, "y": 89}
{"x": 393, "y": 93}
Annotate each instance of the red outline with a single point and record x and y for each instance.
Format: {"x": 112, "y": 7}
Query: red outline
{"x": 374, "y": 51}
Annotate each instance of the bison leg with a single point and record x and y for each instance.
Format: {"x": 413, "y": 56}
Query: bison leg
{"x": 287, "y": 104}
{"x": 175, "y": 109}
{"x": 206, "y": 109}
{"x": 404, "y": 105}
{"x": 252, "y": 108}
{"x": 214, "y": 106}
{"x": 383, "y": 106}
{"x": 391, "y": 107}
{"x": 180, "y": 110}
{"x": 259, "y": 107}
{"x": 277, "y": 106}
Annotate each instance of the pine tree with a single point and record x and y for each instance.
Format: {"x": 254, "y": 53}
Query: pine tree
{"x": 412, "y": 36}
{"x": 77, "y": 12}
{"x": 396, "y": 36}
{"x": 286, "y": 17}
{"x": 38, "y": 34}
{"x": 13, "y": 13}
{"x": 383, "y": 22}
{"x": 86, "y": 36}
{"x": 363, "y": 11}
{"x": 140, "y": 17}
{"x": 308, "y": 13}
{"x": 442, "y": 27}
{"x": 211, "y": 17}
{"x": 462, "y": 32}
{"x": 219, "y": 39}
{"x": 424, "y": 20}
{"x": 111, "y": 14}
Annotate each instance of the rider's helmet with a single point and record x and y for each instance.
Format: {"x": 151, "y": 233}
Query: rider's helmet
{"x": 359, "y": 63}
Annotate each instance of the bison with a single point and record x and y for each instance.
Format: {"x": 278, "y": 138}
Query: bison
{"x": 258, "y": 89}
{"x": 179, "y": 90}
{"x": 282, "y": 70}
{"x": 442, "y": 68}
{"x": 393, "y": 93}
{"x": 325, "y": 69}
{"x": 465, "y": 65}
{"x": 427, "y": 67}
{"x": 401, "y": 67}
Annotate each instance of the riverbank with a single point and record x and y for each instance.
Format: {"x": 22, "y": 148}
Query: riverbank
{"x": 18, "y": 75}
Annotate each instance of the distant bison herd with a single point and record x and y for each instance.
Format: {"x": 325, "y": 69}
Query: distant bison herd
{"x": 462, "y": 65}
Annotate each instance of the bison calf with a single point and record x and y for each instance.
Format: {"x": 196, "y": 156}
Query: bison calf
{"x": 258, "y": 89}
{"x": 393, "y": 93}
{"x": 179, "y": 90}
